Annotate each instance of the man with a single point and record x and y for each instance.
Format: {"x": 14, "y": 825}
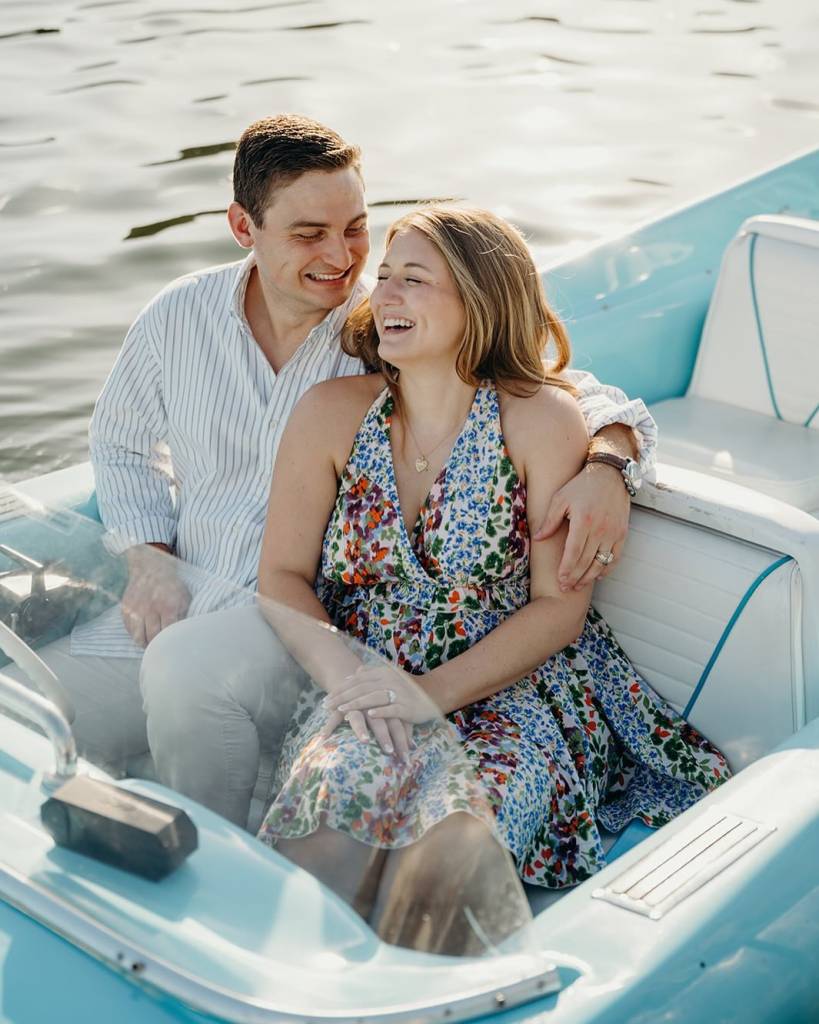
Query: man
{"x": 208, "y": 374}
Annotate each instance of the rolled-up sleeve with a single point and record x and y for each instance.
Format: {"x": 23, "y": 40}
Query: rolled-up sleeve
{"x": 127, "y": 439}
{"x": 603, "y": 404}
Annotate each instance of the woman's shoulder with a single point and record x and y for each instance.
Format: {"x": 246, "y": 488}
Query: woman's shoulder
{"x": 547, "y": 413}
{"x": 544, "y": 431}
{"x": 343, "y": 397}
{"x": 327, "y": 416}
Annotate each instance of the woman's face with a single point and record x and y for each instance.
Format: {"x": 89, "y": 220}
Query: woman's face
{"x": 418, "y": 313}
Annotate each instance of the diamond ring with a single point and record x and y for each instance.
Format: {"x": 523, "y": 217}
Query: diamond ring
{"x": 391, "y": 696}
{"x": 605, "y": 559}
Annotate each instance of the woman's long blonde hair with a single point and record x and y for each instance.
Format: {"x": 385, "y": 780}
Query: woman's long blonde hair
{"x": 509, "y": 325}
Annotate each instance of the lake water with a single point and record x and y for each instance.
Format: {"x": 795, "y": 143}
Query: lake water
{"x": 575, "y": 118}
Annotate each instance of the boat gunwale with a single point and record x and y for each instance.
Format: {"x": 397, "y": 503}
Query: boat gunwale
{"x": 131, "y": 960}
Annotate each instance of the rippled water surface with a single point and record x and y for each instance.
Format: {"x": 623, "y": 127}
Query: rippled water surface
{"x": 575, "y": 118}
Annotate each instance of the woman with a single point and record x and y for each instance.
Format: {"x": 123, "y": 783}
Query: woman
{"x": 425, "y": 477}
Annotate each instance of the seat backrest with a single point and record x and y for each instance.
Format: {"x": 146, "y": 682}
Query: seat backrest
{"x": 760, "y": 343}
{"x": 690, "y": 605}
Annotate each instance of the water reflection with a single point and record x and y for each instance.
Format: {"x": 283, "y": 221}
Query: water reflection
{"x": 29, "y": 32}
{"x": 325, "y": 24}
{"x": 187, "y": 11}
{"x": 99, "y": 64}
{"x": 785, "y": 104}
{"x": 612, "y": 30}
{"x": 744, "y": 30}
{"x": 97, "y": 85}
{"x": 573, "y": 120}
{"x": 28, "y": 142}
{"x": 194, "y": 153}
{"x": 413, "y": 202}
{"x": 143, "y": 230}
{"x": 530, "y": 17}
{"x": 565, "y": 60}
{"x": 650, "y": 181}
{"x": 280, "y": 78}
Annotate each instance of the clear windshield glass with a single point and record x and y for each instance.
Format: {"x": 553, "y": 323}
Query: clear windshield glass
{"x": 332, "y": 759}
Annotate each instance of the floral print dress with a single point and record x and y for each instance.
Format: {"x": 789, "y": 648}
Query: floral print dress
{"x": 581, "y": 742}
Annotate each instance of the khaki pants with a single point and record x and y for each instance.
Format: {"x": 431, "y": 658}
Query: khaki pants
{"x": 211, "y": 697}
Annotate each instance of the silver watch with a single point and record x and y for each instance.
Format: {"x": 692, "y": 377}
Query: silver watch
{"x": 632, "y": 476}
{"x": 629, "y": 469}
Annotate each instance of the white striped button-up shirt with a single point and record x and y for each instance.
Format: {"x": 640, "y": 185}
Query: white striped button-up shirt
{"x": 185, "y": 432}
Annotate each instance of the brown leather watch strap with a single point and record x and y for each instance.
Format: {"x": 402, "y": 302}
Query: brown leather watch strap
{"x": 618, "y": 463}
{"x": 609, "y": 458}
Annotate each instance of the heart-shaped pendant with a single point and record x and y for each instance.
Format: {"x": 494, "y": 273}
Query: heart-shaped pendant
{"x": 421, "y": 464}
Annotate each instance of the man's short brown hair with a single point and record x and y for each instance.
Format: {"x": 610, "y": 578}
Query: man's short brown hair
{"x": 274, "y": 151}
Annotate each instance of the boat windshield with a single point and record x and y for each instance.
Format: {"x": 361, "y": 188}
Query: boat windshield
{"x": 354, "y": 838}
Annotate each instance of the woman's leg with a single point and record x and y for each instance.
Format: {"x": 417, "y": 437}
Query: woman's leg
{"x": 350, "y": 868}
{"x": 453, "y": 892}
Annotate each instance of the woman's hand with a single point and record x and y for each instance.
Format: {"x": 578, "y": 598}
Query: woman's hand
{"x": 367, "y": 692}
{"x": 393, "y": 736}
{"x": 383, "y": 694}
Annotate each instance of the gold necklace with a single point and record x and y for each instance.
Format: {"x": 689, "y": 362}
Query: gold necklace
{"x": 422, "y": 462}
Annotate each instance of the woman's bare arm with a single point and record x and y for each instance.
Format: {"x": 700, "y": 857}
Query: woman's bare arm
{"x": 303, "y": 491}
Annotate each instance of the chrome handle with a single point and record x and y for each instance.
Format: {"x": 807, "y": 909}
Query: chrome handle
{"x": 49, "y": 717}
{"x": 36, "y": 669}
{"x": 21, "y": 559}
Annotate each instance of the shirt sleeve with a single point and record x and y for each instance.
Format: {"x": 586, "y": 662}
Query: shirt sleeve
{"x": 127, "y": 439}
{"x": 603, "y": 404}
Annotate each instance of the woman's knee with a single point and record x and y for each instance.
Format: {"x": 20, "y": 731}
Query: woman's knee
{"x": 436, "y": 889}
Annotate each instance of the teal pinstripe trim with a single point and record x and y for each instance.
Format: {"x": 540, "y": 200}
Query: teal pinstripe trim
{"x": 809, "y": 420}
{"x": 746, "y": 597}
{"x": 759, "y": 331}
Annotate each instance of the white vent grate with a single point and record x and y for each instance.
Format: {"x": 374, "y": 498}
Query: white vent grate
{"x": 677, "y": 868}
{"x": 10, "y": 505}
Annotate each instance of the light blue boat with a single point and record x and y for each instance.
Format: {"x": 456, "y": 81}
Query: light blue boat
{"x": 716, "y": 601}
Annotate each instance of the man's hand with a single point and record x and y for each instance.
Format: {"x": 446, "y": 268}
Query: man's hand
{"x": 155, "y": 596}
{"x": 597, "y": 506}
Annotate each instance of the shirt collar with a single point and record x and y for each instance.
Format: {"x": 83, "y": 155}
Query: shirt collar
{"x": 237, "y": 295}
{"x": 327, "y": 328}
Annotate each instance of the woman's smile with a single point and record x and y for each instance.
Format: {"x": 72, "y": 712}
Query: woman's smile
{"x": 395, "y": 325}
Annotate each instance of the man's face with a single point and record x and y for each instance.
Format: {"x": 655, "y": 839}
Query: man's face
{"x": 314, "y": 242}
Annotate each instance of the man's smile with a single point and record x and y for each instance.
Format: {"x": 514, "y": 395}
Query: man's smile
{"x": 322, "y": 278}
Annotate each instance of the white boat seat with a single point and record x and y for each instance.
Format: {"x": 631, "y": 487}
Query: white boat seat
{"x": 751, "y": 413}
{"x": 714, "y": 625}
{"x": 747, "y": 448}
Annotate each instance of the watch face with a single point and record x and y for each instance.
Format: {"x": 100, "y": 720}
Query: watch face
{"x": 632, "y": 471}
